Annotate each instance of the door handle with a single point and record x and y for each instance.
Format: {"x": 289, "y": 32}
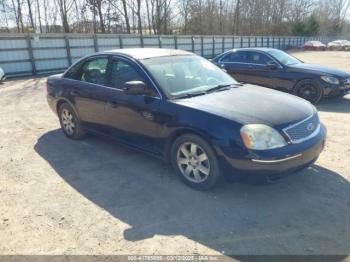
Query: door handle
{"x": 113, "y": 104}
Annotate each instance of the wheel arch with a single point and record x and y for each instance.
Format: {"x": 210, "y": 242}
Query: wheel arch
{"x": 316, "y": 82}
{"x": 310, "y": 78}
{"x": 61, "y": 101}
{"x": 180, "y": 132}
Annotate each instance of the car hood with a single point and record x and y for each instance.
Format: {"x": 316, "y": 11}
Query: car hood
{"x": 251, "y": 104}
{"x": 321, "y": 69}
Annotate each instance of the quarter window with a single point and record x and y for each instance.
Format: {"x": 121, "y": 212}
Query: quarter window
{"x": 94, "y": 71}
{"x": 73, "y": 72}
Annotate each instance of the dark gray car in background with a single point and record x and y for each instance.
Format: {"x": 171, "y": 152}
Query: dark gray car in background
{"x": 276, "y": 69}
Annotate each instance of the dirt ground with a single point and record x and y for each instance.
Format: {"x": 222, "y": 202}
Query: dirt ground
{"x": 93, "y": 196}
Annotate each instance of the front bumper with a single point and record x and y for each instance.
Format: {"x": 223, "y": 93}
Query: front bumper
{"x": 330, "y": 90}
{"x": 3, "y": 78}
{"x": 337, "y": 92}
{"x": 275, "y": 164}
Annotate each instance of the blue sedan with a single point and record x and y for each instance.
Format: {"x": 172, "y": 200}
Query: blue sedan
{"x": 183, "y": 109}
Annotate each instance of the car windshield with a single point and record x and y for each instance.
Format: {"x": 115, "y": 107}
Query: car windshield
{"x": 188, "y": 74}
{"x": 283, "y": 57}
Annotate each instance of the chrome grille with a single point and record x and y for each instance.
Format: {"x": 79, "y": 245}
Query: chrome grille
{"x": 304, "y": 129}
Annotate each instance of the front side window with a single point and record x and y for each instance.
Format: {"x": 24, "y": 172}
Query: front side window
{"x": 283, "y": 58}
{"x": 178, "y": 75}
{"x": 258, "y": 58}
{"x": 123, "y": 72}
{"x": 94, "y": 71}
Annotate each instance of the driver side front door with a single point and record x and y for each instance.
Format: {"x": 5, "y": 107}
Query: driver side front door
{"x": 133, "y": 119}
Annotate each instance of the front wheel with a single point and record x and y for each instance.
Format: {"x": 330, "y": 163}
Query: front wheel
{"x": 195, "y": 162}
{"x": 309, "y": 90}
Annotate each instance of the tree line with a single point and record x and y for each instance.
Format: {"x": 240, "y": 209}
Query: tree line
{"x": 237, "y": 17}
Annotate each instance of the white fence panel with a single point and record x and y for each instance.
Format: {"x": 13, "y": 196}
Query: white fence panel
{"x": 13, "y": 43}
{"x": 18, "y": 68}
{"x": 14, "y": 55}
{"x": 42, "y": 53}
{"x": 39, "y": 42}
{"x": 51, "y": 65}
{"x": 51, "y": 53}
{"x": 112, "y": 42}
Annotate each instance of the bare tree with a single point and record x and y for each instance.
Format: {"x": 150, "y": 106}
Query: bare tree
{"x": 149, "y": 21}
{"x": 250, "y": 17}
{"x": 64, "y": 8}
{"x": 29, "y": 4}
{"x": 236, "y": 17}
{"x": 39, "y": 15}
{"x": 126, "y": 16}
{"x": 138, "y": 14}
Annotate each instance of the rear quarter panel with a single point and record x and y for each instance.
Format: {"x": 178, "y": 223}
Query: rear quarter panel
{"x": 58, "y": 92}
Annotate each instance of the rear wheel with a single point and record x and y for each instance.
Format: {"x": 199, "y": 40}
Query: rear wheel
{"x": 309, "y": 90}
{"x": 195, "y": 162}
{"x": 70, "y": 122}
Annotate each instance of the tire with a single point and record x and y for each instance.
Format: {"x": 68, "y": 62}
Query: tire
{"x": 309, "y": 90}
{"x": 195, "y": 162}
{"x": 70, "y": 123}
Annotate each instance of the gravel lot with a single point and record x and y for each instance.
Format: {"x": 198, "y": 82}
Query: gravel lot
{"x": 93, "y": 196}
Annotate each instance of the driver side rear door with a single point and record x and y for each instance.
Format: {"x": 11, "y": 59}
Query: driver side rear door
{"x": 87, "y": 90}
{"x": 235, "y": 64}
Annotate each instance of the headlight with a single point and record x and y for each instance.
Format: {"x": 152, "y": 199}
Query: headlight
{"x": 330, "y": 79}
{"x": 261, "y": 137}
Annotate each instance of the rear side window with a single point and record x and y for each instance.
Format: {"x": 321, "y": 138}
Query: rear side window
{"x": 237, "y": 56}
{"x": 94, "y": 71}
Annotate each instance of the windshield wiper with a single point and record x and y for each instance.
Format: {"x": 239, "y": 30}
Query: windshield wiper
{"x": 223, "y": 87}
{"x": 187, "y": 95}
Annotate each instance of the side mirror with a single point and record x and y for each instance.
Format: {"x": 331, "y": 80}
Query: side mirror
{"x": 135, "y": 88}
{"x": 272, "y": 65}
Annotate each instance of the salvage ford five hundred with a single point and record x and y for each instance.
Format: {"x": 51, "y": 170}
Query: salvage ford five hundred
{"x": 182, "y": 108}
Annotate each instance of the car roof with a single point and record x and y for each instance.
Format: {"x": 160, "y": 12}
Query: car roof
{"x": 146, "y": 53}
{"x": 262, "y": 49}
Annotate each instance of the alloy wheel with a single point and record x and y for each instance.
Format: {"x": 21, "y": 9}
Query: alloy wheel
{"x": 68, "y": 121}
{"x": 308, "y": 92}
{"x": 193, "y": 162}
